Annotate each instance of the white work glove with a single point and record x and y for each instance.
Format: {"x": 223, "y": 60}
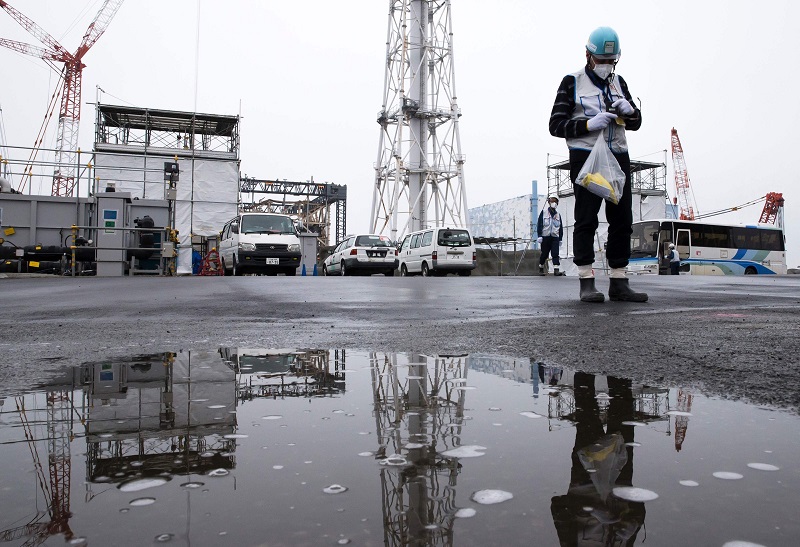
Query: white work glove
{"x": 600, "y": 121}
{"x": 623, "y": 107}
{"x": 560, "y": 243}
{"x": 539, "y": 240}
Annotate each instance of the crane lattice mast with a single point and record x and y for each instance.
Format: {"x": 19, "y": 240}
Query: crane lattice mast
{"x": 70, "y": 113}
{"x": 419, "y": 173}
{"x": 682, "y": 186}
{"x": 772, "y": 206}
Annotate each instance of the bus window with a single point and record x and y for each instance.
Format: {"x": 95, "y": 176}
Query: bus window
{"x": 746, "y": 238}
{"x": 771, "y": 240}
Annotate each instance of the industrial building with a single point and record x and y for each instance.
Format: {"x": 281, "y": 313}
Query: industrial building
{"x": 158, "y": 186}
{"x": 512, "y": 222}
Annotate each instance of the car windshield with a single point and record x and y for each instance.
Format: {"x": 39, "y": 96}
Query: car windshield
{"x": 373, "y": 241}
{"x": 266, "y": 224}
{"x": 454, "y": 238}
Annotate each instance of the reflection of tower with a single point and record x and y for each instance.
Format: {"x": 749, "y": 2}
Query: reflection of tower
{"x": 419, "y": 413}
{"x": 682, "y": 419}
{"x": 419, "y": 173}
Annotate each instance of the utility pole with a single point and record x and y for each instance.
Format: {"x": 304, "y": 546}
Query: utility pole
{"x": 419, "y": 173}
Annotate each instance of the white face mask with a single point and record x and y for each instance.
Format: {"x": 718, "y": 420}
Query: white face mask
{"x": 553, "y": 205}
{"x": 603, "y": 71}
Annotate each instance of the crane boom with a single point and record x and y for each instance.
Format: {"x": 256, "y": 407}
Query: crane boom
{"x": 28, "y": 49}
{"x": 682, "y": 186}
{"x": 772, "y": 206}
{"x": 38, "y": 32}
{"x": 98, "y": 26}
{"x": 69, "y": 116}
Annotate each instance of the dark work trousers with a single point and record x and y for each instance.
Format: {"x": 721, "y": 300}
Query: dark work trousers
{"x": 674, "y": 268}
{"x": 549, "y": 246}
{"x": 587, "y": 205}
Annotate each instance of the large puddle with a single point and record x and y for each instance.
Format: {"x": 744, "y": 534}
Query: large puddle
{"x": 327, "y": 447}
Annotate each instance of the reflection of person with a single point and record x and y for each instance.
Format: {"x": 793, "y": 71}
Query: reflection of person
{"x": 674, "y": 259}
{"x": 550, "y": 233}
{"x": 588, "y": 514}
{"x": 589, "y": 102}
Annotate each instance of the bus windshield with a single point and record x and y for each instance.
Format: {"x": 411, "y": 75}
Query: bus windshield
{"x": 644, "y": 239}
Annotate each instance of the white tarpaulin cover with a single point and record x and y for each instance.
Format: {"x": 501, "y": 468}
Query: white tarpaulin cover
{"x": 207, "y": 192}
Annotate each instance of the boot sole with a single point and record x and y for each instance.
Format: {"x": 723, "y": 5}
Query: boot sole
{"x": 595, "y": 298}
{"x": 616, "y": 298}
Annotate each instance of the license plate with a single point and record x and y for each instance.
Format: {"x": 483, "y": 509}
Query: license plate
{"x": 273, "y": 261}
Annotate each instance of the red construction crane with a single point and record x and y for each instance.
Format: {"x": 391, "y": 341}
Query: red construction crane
{"x": 70, "y": 113}
{"x": 772, "y": 206}
{"x": 684, "y": 191}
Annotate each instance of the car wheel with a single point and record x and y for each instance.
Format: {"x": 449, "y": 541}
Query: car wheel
{"x": 465, "y": 273}
{"x": 389, "y": 273}
{"x": 324, "y": 270}
{"x": 236, "y": 269}
{"x": 403, "y": 271}
{"x": 750, "y": 271}
{"x": 425, "y": 271}
{"x": 290, "y": 271}
{"x": 343, "y": 269}
{"x": 222, "y": 264}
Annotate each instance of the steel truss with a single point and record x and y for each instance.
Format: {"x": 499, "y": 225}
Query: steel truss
{"x": 647, "y": 178}
{"x": 168, "y": 132}
{"x": 314, "y": 210}
{"x": 419, "y": 172}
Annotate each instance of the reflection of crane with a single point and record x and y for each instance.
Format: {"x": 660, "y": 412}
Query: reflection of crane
{"x": 71, "y": 74}
{"x": 56, "y": 487}
{"x": 684, "y": 191}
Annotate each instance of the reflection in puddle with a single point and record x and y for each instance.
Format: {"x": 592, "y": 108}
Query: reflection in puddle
{"x": 412, "y": 449}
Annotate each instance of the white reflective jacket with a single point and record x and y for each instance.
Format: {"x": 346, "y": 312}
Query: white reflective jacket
{"x": 589, "y": 102}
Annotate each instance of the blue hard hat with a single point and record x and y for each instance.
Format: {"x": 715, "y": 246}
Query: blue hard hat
{"x": 603, "y": 43}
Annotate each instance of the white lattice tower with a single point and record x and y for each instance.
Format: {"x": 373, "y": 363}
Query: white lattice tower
{"x": 419, "y": 173}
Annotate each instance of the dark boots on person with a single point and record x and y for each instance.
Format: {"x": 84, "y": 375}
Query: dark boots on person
{"x": 557, "y": 272}
{"x": 619, "y": 290}
{"x": 588, "y": 291}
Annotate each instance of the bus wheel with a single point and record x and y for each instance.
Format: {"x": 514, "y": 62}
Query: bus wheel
{"x": 750, "y": 271}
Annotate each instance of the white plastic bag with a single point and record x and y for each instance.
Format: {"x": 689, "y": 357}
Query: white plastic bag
{"x": 601, "y": 173}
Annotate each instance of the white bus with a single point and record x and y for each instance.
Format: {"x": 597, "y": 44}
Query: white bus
{"x": 707, "y": 249}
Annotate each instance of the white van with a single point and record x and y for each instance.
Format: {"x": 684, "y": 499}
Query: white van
{"x": 259, "y": 243}
{"x": 437, "y": 251}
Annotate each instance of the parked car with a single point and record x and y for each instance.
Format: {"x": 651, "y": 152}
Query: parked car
{"x": 362, "y": 254}
{"x": 259, "y": 243}
{"x": 437, "y": 251}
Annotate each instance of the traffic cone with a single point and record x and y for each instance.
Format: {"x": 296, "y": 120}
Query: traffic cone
{"x": 304, "y": 270}
{"x": 315, "y": 270}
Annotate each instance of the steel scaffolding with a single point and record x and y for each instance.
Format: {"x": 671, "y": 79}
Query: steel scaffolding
{"x": 419, "y": 172}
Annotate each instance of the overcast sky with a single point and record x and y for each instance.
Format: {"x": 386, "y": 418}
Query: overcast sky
{"x": 307, "y": 78}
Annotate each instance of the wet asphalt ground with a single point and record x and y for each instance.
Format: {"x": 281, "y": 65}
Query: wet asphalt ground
{"x": 723, "y": 336}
